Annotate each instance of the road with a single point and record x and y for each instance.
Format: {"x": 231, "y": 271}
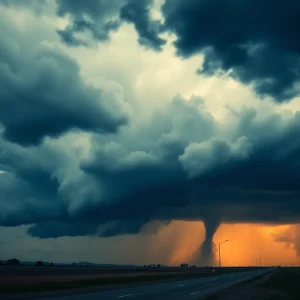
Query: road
{"x": 175, "y": 290}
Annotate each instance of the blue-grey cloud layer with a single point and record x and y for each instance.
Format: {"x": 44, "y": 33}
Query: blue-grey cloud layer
{"x": 138, "y": 13}
{"x": 42, "y": 92}
{"x": 100, "y": 18}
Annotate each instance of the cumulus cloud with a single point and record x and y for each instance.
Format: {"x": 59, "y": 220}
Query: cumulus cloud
{"x": 117, "y": 186}
{"x": 99, "y": 18}
{"x": 257, "y": 40}
{"x": 232, "y": 176}
{"x": 213, "y": 154}
{"x": 138, "y": 13}
{"x": 42, "y": 91}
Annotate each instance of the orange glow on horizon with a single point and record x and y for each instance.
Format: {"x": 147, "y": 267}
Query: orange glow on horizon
{"x": 247, "y": 243}
{"x": 252, "y": 244}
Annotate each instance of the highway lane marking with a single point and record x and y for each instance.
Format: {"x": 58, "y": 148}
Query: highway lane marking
{"x": 180, "y": 285}
{"x": 125, "y": 296}
{"x": 195, "y": 293}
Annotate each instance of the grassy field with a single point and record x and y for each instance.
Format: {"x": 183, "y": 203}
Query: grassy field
{"x": 285, "y": 282}
{"x": 279, "y": 284}
{"x": 27, "y": 284}
{"x": 84, "y": 283}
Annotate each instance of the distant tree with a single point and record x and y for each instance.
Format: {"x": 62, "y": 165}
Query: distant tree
{"x": 51, "y": 264}
{"x": 145, "y": 266}
{"x": 1, "y": 263}
{"x": 73, "y": 264}
{"x": 13, "y": 262}
{"x": 158, "y": 265}
{"x": 39, "y": 263}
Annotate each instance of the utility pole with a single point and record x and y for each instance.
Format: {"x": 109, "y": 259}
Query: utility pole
{"x": 220, "y": 252}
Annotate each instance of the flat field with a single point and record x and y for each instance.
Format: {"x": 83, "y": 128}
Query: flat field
{"x": 24, "y": 279}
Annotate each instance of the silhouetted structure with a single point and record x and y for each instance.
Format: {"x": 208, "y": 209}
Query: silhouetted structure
{"x": 153, "y": 266}
{"x": 184, "y": 265}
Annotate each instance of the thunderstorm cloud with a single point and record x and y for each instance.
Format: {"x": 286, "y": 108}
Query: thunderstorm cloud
{"x": 78, "y": 158}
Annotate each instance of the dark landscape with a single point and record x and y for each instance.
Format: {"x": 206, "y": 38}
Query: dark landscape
{"x": 149, "y": 149}
{"x": 282, "y": 284}
{"x": 20, "y": 279}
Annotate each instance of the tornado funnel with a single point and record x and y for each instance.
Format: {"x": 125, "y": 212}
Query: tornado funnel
{"x": 206, "y": 256}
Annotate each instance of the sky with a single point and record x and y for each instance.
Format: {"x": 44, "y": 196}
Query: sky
{"x": 149, "y": 131}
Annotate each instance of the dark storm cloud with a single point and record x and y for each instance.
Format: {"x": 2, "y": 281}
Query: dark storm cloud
{"x": 250, "y": 174}
{"x": 179, "y": 163}
{"x": 138, "y": 13}
{"x": 255, "y": 168}
{"x": 24, "y": 202}
{"x": 257, "y": 39}
{"x": 55, "y": 229}
{"x": 100, "y": 18}
{"x": 67, "y": 36}
{"x": 133, "y": 226}
{"x": 42, "y": 92}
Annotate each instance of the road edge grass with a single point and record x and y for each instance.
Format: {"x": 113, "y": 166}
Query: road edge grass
{"x": 284, "y": 283}
{"x": 222, "y": 291}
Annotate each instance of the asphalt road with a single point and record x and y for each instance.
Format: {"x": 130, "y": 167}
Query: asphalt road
{"x": 175, "y": 290}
